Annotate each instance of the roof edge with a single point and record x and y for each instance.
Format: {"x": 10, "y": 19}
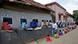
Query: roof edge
{"x": 56, "y": 4}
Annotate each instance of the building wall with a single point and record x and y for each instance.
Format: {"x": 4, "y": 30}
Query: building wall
{"x": 27, "y": 14}
{"x": 57, "y": 10}
{"x": 69, "y": 19}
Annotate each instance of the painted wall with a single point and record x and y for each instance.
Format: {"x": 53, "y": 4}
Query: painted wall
{"x": 27, "y": 14}
{"x": 57, "y": 10}
{"x": 69, "y": 19}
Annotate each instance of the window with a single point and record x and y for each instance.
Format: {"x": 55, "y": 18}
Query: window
{"x": 9, "y": 20}
{"x": 23, "y": 20}
{"x": 23, "y": 23}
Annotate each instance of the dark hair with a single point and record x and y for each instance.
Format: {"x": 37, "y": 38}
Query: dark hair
{"x": 33, "y": 19}
{"x": 59, "y": 30}
{"x": 48, "y": 35}
{"x": 36, "y": 20}
{"x": 53, "y": 21}
{"x": 55, "y": 33}
{"x": 47, "y": 20}
{"x": 42, "y": 20}
{"x": 50, "y": 21}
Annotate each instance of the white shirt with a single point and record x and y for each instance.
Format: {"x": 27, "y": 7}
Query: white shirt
{"x": 23, "y": 25}
{"x": 54, "y": 25}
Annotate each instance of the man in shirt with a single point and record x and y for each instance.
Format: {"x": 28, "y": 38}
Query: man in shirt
{"x": 54, "y": 28}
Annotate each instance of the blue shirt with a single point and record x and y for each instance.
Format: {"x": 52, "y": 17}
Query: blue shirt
{"x": 33, "y": 24}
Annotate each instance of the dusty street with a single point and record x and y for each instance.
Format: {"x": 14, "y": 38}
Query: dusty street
{"x": 69, "y": 38}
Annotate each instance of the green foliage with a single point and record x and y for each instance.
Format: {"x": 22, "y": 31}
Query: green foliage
{"x": 75, "y": 14}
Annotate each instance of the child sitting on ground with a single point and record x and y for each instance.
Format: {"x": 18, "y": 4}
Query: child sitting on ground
{"x": 48, "y": 38}
{"x": 63, "y": 32}
{"x": 66, "y": 31}
{"x": 56, "y": 35}
{"x": 60, "y": 33}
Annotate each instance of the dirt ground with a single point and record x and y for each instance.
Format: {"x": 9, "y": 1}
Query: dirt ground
{"x": 69, "y": 38}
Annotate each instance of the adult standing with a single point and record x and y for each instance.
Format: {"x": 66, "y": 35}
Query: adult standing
{"x": 54, "y": 28}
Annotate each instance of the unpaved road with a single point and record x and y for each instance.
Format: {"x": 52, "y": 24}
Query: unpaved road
{"x": 69, "y": 38}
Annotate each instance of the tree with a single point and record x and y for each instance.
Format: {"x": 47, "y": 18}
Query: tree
{"x": 75, "y": 16}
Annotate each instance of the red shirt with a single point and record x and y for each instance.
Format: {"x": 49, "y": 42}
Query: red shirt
{"x": 6, "y": 26}
{"x": 48, "y": 39}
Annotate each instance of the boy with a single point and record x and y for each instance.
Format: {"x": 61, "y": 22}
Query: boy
{"x": 54, "y": 28}
{"x": 60, "y": 33}
{"x": 48, "y": 39}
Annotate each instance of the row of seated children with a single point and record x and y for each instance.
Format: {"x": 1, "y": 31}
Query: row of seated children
{"x": 60, "y": 33}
